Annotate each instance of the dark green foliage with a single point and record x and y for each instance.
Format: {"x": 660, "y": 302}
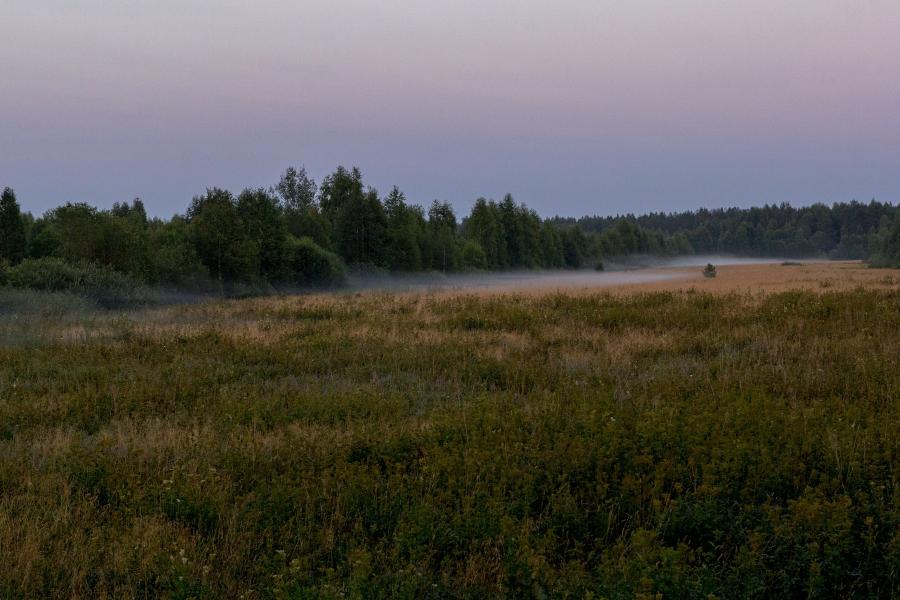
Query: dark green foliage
{"x": 472, "y": 256}
{"x": 357, "y": 218}
{"x": 841, "y": 231}
{"x": 483, "y": 227}
{"x": 309, "y": 222}
{"x": 109, "y": 288}
{"x": 575, "y": 247}
{"x": 444, "y": 247}
{"x": 626, "y": 238}
{"x": 886, "y": 245}
{"x": 12, "y": 229}
{"x": 221, "y": 238}
{"x": 42, "y": 240}
{"x": 223, "y": 242}
{"x": 338, "y": 189}
{"x": 176, "y": 261}
{"x": 134, "y": 211}
{"x": 360, "y": 229}
{"x": 405, "y": 234}
{"x": 265, "y": 227}
{"x": 81, "y": 233}
{"x": 309, "y": 265}
{"x": 514, "y": 237}
{"x": 520, "y": 234}
{"x": 297, "y": 190}
{"x": 552, "y": 255}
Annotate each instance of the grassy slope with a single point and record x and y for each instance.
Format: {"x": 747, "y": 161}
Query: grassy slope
{"x": 384, "y": 445}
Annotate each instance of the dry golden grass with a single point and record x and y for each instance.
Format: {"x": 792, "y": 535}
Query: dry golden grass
{"x": 259, "y": 320}
{"x": 764, "y": 278}
{"x": 771, "y": 278}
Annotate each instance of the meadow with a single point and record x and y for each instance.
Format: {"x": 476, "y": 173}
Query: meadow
{"x": 682, "y": 443}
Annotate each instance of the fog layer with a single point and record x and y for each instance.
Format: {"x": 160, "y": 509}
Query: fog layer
{"x": 636, "y": 270}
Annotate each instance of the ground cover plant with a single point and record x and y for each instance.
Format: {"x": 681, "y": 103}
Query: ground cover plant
{"x": 452, "y": 446}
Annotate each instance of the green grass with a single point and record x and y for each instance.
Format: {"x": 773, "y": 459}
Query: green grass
{"x": 379, "y": 446}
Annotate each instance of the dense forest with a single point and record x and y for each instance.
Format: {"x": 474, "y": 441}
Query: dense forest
{"x": 299, "y": 234}
{"x": 842, "y": 231}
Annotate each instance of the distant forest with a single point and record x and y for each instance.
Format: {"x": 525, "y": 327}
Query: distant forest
{"x": 299, "y": 234}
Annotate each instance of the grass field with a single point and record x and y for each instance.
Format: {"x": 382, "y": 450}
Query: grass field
{"x": 751, "y": 279}
{"x": 643, "y": 442}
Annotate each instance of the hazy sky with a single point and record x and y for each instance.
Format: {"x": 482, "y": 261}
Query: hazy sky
{"x": 573, "y": 106}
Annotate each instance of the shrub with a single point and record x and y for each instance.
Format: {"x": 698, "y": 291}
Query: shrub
{"x": 710, "y": 271}
{"x": 313, "y": 266}
{"x": 473, "y": 256}
{"x": 175, "y": 258}
{"x": 107, "y": 287}
{"x": 885, "y": 251}
{"x": 881, "y": 261}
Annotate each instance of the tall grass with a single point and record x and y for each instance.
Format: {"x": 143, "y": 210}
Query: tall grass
{"x": 376, "y": 446}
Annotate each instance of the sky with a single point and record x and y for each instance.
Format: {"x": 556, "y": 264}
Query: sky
{"x": 573, "y": 106}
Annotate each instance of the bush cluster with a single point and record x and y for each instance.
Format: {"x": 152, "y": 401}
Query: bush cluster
{"x": 106, "y": 286}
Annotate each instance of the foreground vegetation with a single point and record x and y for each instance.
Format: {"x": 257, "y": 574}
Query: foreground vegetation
{"x": 682, "y": 445}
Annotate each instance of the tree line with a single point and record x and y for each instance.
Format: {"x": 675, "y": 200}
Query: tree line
{"x": 847, "y": 230}
{"x": 298, "y": 233}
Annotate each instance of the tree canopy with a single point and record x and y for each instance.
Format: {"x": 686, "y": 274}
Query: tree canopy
{"x": 12, "y": 228}
{"x": 298, "y": 234}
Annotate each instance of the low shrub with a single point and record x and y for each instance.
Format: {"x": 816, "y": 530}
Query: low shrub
{"x": 313, "y": 266}
{"x": 880, "y": 261}
{"x": 473, "y": 256}
{"x": 107, "y": 287}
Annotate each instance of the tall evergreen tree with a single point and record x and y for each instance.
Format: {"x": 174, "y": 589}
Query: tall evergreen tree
{"x": 442, "y": 226}
{"x": 403, "y": 238}
{"x": 483, "y": 226}
{"x": 551, "y": 247}
{"x": 886, "y": 251}
{"x": 12, "y": 228}
{"x": 512, "y": 233}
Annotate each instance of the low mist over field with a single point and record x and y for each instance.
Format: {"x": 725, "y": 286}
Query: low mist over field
{"x": 639, "y": 269}
{"x": 522, "y": 280}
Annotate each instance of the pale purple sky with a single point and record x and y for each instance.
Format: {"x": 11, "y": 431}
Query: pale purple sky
{"x": 574, "y": 106}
